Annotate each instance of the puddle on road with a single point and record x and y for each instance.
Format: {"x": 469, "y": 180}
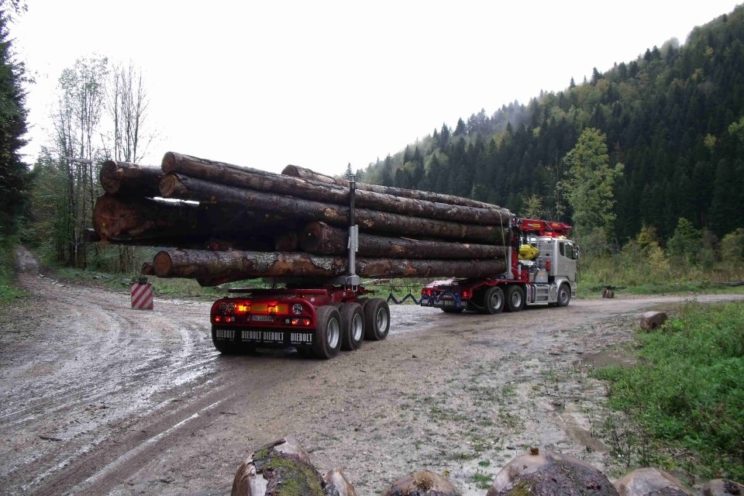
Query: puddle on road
{"x": 405, "y": 319}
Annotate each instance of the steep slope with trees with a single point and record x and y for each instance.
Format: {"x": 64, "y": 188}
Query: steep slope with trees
{"x": 674, "y": 118}
{"x": 13, "y": 172}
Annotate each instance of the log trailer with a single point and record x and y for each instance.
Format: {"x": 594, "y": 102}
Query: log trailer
{"x": 319, "y": 318}
{"x": 549, "y": 278}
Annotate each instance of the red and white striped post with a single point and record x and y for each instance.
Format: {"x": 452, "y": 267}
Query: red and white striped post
{"x": 142, "y": 295}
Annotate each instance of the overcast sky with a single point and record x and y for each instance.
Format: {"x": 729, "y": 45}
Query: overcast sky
{"x": 323, "y": 83}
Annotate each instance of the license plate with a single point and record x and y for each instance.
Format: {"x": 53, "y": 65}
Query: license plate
{"x": 262, "y": 318}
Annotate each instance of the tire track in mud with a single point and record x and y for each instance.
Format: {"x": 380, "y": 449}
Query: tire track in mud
{"x": 92, "y": 364}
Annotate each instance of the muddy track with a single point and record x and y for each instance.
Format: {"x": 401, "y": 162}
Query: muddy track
{"x": 97, "y": 397}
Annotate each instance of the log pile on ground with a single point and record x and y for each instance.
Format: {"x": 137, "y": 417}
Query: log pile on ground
{"x": 220, "y": 222}
{"x": 284, "y": 468}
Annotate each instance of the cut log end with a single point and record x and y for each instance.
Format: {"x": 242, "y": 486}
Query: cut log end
{"x": 162, "y": 264}
{"x": 168, "y": 164}
{"x": 171, "y": 186}
{"x": 108, "y": 178}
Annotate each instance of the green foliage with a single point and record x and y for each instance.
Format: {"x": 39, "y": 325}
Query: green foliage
{"x": 732, "y": 248}
{"x": 673, "y": 117}
{"x": 8, "y": 289}
{"x": 687, "y": 391}
{"x": 642, "y": 266}
{"x": 13, "y": 172}
{"x": 47, "y": 227}
{"x": 533, "y": 207}
{"x": 590, "y": 183}
{"x": 685, "y": 242}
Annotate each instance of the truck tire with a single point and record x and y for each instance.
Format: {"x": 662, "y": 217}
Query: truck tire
{"x": 327, "y": 339}
{"x": 376, "y": 319}
{"x": 493, "y": 300}
{"x": 515, "y": 299}
{"x": 352, "y": 326}
{"x": 452, "y": 310}
{"x": 226, "y": 347}
{"x": 564, "y": 295}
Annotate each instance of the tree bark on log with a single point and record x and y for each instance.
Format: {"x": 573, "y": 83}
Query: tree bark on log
{"x": 211, "y": 268}
{"x": 319, "y": 238}
{"x": 125, "y": 179}
{"x": 310, "y": 175}
{"x": 330, "y": 192}
{"x": 148, "y": 221}
{"x": 179, "y": 186}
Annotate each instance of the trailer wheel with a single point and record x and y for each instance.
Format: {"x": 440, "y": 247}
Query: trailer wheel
{"x": 493, "y": 300}
{"x": 564, "y": 295}
{"x": 226, "y": 347}
{"x": 327, "y": 340}
{"x": 352, "y": 326}
{"x": 452, "y": 310}
{"x": 515, "y": 299}
{"x": 376, "y": 319}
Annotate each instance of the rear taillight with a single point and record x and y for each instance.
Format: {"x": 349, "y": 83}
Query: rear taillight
{"x": 466, "y": 294}
{"x": 297, "y": 322}
{"x": 427, "y": 292}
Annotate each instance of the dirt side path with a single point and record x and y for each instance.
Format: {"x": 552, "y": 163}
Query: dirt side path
{"x": 96, "y": 397}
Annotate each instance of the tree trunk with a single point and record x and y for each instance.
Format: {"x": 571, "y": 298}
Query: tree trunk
{"x": 310, "y": 175}
{"x": 330, "y": 192}
{"x": 184, "y": 187}
{"x": 125, "y": 179}
{"x": 147, "y": 221}
{"x": 319, "y": 238}
{"x": 211, "y": 268}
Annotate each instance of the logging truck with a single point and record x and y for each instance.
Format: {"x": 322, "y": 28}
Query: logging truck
{"x": 541, "y": 269}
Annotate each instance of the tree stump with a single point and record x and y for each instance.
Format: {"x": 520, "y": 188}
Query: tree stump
{"x": 281, "y": 468}
{"x": 337, "y": 484}
{"x": 652, "y": 320}
{"x": 648, "y": 482}
{"x": 550, "y": 474}
{"x": 422, "y": 483}
{"x": 722, "y": 487}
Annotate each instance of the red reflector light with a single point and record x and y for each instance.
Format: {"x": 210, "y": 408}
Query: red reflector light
{"x": 218, "y": 318}
{"x": 306, "y": 322}
{"x": 467, "y": 294}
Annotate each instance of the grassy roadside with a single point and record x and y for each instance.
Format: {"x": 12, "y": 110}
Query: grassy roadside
{"x": 9, "y": 291}
{"x": 685, "y": 398}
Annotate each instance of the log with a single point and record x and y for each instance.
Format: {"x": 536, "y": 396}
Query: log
{"x": 125, "y": 179}
{"x": 423, "y": 483}
{"x": 329, "y": 192}
{"x": 310, "y": 175}
{"x": 169, "y": 223}
{"x": 211, "y": 268}
{"x": 175, "y": 185}
{"x": 548, "y": 474}
{"x": 281, "y": 468}
{"x": 319, "y": 238}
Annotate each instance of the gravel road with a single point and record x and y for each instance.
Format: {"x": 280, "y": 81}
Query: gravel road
{"x": 98, "y": 398}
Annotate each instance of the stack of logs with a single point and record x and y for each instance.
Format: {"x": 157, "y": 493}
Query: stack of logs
{"x": 220, "y": 222}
